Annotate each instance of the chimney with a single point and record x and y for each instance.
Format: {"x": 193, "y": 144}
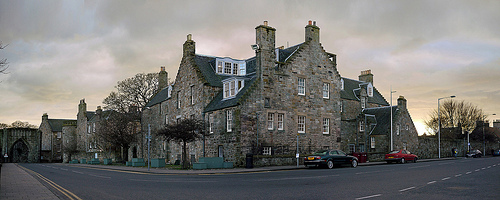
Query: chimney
{"x": 99, "y": 110}
{"x": 265, "y": 39}
{"x": 189, "y": 47}
{"x": 401, "y": 103}
{"x": 82, "y": 107}
{"x": 162, "y": 79}
{"x": 45, "y": 117}
{"x": 312, "y": 32}
{"x": 366, "y": 76}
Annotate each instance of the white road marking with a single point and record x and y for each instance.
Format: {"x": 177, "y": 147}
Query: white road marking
{"x": 477, "y": 170}
{"x": 431, "y": 182}
{"x": 458, "y": 175}
{"x": 419, "y": 167}
{"x": 407, "y": 189}
{"x": 99, "y": 176}
{"x": 77, "y": 172}
{"x": 444, "y": 179}
{"x": 367, "y": 197}
{"x": 468, "y": 172}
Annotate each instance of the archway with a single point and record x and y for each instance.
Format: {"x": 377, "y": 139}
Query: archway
{"x": 19, "y": 152}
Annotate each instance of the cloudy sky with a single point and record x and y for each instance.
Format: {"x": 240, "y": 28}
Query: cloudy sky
{"x": 62, "y": 51}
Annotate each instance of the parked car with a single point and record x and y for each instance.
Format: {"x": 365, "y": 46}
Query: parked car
{"x": 400, "y": 156}
{"x": 496, "y": 152}
{"x": 475, "y": 154}
{"x": 330, "y": 158}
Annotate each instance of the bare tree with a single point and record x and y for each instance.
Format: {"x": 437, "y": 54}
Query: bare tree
{"x": 134, "y": 91}
{"x": 185, "y": 131}
{"x": 118, "y": 131}
{"x": 455, "y": 114}
{"x": 3, "y": 62}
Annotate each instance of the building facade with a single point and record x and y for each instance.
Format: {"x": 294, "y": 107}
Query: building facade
{"x": 281, "y": 102}
{"x": 52, "y": 138}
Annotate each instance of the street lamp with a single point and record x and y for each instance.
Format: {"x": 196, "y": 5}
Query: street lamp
{"x": 484, "y": 141}
{"x": 439, "y": 125}
{"x": 391, "y": 119}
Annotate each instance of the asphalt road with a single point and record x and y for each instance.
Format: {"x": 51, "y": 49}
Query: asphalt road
{"x": 477, "y": 178}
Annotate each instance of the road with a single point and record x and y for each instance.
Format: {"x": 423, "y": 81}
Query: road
{"x": 477, "y": 178}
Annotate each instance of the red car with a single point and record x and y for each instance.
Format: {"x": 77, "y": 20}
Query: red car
{"x": 400, "y": 156}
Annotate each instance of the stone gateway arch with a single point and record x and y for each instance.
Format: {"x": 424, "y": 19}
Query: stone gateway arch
{"x": 21, "y": 145}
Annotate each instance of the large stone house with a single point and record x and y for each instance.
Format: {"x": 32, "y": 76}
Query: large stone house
{"x": 270, "y": 104}
{"x": 52, "y": 137}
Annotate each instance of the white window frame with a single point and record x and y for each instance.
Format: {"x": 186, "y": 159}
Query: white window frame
{"x": 363, "y": 102}
{"x": 372, "y": 142}
{"x": 210, "y": 123}
{"x": 301, "y": 124}
{"x": 220, "y": 66}
{"x": 369, "y": 90}
{"x": 59, "y": 135}
{"x": 266, "y": 151}
{"x": 326, "y": 90}
{"x": 341, "y": 106}
{"x": 397, "y": 129}
{"x": 166, "y": 119}
{"x": 342, "y": 84}
{"x": 326, "y": 125}
{"x": 270, "y": 121}
{"x": 235, "y": 69}
{"x": 281, "y": 118}
{"x": 301, "y": 86}
{"x": 228, "y": 67}
{"x": 229, "y": 120}
{"x": 192, "y": 94}
{"x": 226, "y": 90}
{"x": 178, "y": 99}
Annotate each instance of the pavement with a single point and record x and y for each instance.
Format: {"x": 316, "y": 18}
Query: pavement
{"x": 18, "y": 182}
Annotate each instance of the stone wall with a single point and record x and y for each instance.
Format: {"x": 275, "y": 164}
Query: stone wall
{"x": 21, "y": 144}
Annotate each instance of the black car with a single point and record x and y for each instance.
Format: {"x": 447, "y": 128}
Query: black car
{"x": 330, "y": 158}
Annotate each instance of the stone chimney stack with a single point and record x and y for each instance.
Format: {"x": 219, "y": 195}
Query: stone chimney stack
{"x": 189, "y": 47}
{"x": 265, "y": 39}
{"x": 401, "y": 103}
{"x": 99, "y": 110}
{"x": 312, "y": 32}
{"x": 82, "y": 108}
{"x": 162, "y": 79}
{"x": 45, "y": 117}
{"x": 366, "y": 76}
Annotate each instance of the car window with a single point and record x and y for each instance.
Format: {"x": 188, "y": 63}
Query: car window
{"x": 394, "y": 152}
{"x": 320, "y": 153}
{"x": 334, "y": 152}
{"x": 408, "y": 152}
{"x": 341, "y": 153}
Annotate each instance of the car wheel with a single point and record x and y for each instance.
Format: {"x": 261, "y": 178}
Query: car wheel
{"x": 329, "y": 164}
{"x": 354, "y": 163}
{"x": 402, "y": 160}
{"x": 415, "y": 160}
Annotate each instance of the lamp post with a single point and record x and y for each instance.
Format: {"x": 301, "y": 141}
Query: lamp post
{"x": 392, "y": 142}
{"x": 484, "y": 141}
{"x": 149, "y": 142}
{"x": 439, "y": 126}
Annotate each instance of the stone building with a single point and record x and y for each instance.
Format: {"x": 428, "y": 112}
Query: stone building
{"x": 20, "y": 144}
{"x": 270, "y": 104}
{"x": 366, "y": 120}
{"x": 52, "y": 138}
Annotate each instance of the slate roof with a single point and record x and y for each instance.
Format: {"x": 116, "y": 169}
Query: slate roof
{"x": 219, "y": 103}
{"x": 352, "y": 89}
{"x": 158, "y": 97}
{"x": 57, "y": 124}
{"x": 382, "y": 119}
{"x": 284, "y": 54}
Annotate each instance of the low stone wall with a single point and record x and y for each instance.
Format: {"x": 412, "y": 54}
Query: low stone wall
{"x": 280, "y": 160}
{"x": 428, "y": 147}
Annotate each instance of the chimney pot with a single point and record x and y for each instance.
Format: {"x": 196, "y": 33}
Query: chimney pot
{"x": 314, "y": 23}
{"x": 265, "y": 23}
{"x": 189, "y": 37}
{"x": 162, "y": 68}
{"x": 310, "y": 22}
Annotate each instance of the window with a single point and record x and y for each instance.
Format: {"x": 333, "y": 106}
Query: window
{"x": 166, "y": 119}
{"x": 301, "y": 124}
{"x": 407, "y": 127}
{"x": 361, "y": 126}
{"x": 326, "y": 126}
{"x": 93, "y": 127}
{"x": 232, "y": 88}
{"x": 266, "y": 151}
{"x": 89, "y": 128}
{"x": 372, "y": 141}
{"x": 192, "y": 94}
{"x": 302, "y": 86}
{"x": 363, "y": 102}
{"x": 240, "y": 84}
{"x": 210, "y": 123}
{"x": 270, "y": 121}
{"x": 226, "y": 90}
{"x": 397, "y": 129}
{"x": 179, "y": 99}
{"x": 169, "y": 93}
{"x": 227, "y": 68}
{"x": 280, "y": 121}
{"x": 219, "y": 67}
{"x": 342, "y": 84}
{"x": 351, "y": 148}
{"x": 235, "y": 69}
{"x": 341, "y": 106}
{"x": 326, "y": 90}
{"x": 59, "y": 135}
{"x": 369, "y": 90}
{"x": 229, "y": 121}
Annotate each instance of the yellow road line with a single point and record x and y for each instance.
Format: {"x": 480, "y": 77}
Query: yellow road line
{"x": 64, "y": 191}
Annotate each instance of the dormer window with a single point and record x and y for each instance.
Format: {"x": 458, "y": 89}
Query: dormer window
{"x": 231, "y": 67}
{"x": 369, "y": 90}
{"x": 169, "y": 93}
{"x": 342, "y": 84}
{"x": 232, "y": 87}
